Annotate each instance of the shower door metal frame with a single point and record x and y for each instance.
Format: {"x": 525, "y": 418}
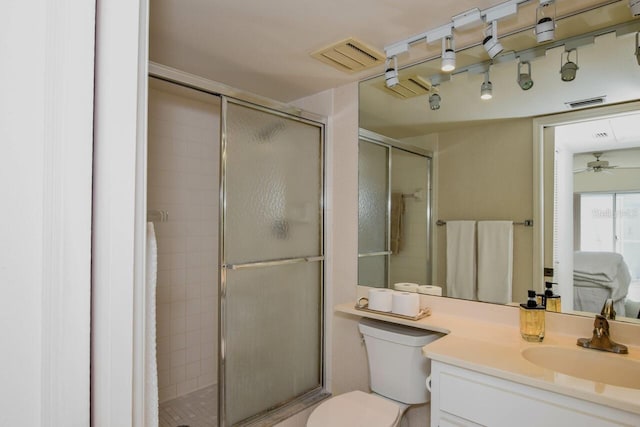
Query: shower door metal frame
{"x": 230, "y": 94}
{"x": 222, "y": 416}
{"x": 389, "y": 143}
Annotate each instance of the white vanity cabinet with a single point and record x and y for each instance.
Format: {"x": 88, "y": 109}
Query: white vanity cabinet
{"x": 461, "y": 397}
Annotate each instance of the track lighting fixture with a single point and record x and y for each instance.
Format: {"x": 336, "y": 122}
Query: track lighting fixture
{"x": 448, "y": 54}
{"x": 568, "y": 69}
{"x": 486, "y": 90}
{"x": 391, "y": 74}
{"x": 434, "y": 101}
{"x": 635, "y": 7}
{"x": 524, "y": 78}
{"x": 546, "y": 21}
{"x": 491, "y": 43}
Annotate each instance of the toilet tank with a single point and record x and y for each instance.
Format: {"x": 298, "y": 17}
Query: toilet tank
{"x": 397, "y": 368}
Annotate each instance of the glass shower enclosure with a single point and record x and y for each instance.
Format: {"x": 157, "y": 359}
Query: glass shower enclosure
{"x": 394, "y": 212}
{"x": 272, "y": 259}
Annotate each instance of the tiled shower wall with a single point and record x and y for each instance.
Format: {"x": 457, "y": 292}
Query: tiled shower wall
{"x": 183, "y": 180}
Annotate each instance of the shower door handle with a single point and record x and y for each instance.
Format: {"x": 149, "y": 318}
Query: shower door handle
{"x": 375, "y": 254}
{"x": 272, "y": 263}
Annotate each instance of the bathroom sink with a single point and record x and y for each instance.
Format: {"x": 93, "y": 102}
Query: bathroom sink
{"x": 607, "y": 368}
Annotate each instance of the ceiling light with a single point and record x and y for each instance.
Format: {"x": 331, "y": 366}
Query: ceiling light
{"x": 545, "y": 24}
{"x": 635, "y": 7}
{"x": 569, "y": 68}
{"x": 486, "y": 90}
{"x": 434, "y": 101}
{"x": 491, "y": 43}
{"x": 448, "y": 54}
{"x": 391, "y": 74}
{"x": 524, "y": 79}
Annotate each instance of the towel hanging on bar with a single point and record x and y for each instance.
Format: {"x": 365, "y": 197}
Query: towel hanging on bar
{"x": 396, "y": 220}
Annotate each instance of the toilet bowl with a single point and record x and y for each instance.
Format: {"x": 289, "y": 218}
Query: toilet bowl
{"x": 397, "y": 373}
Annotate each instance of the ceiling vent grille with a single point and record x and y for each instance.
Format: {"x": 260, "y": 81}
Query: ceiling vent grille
{"x": 408, "y": 87}
{"x": 350, "y": 55}
{"x": 586, "y": 102}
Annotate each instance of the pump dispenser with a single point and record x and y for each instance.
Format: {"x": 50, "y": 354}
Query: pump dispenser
{"x": 532, "y": 319}
{"x": 551, "y": 301}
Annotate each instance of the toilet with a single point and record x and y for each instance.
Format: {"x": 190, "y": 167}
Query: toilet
{"x": 397, "y": 371}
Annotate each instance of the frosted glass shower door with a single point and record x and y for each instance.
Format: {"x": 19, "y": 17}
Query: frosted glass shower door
{"x": 373, "y": 214}
{"x": 271, "y": 305}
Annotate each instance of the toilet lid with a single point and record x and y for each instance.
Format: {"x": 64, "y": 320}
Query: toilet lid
{"x": 355, "y": 409}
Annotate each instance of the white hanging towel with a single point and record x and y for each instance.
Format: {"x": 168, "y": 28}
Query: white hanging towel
{"x": 495, "y": 261}
{"x": 461, "y": 259}
{"x": 151, "y": 364}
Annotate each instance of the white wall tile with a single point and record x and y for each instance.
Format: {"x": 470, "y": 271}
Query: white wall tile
{"x": 183, "y": 180}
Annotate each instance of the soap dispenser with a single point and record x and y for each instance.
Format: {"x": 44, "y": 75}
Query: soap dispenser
{"x": 532, "y": 319}
{"x": 552, "y": 301}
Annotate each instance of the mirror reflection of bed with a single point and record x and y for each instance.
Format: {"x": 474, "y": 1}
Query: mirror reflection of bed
{"x": 597, "y": 196}
{"x": 598, "y": 276}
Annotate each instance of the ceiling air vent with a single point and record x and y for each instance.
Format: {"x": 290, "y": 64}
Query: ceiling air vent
{"x": 586, "y": 102}
{"x": 350, "y": 55}
{"x": 408, "y": 87}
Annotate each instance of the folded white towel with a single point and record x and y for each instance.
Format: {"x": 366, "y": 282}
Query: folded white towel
{"x": 495, "y": 261}
{"x": 461, "y": 259}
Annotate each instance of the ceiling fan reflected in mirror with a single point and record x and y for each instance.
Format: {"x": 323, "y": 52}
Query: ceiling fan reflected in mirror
{"x": 596, "y": 165}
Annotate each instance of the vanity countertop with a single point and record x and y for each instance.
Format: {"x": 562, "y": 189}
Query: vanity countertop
{"x": 495, "y": 348}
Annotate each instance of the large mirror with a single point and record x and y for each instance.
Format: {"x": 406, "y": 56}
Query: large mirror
{"x": 482, "y": 151}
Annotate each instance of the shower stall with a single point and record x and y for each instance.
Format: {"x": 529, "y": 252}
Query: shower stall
{"x": 236, "y": 188}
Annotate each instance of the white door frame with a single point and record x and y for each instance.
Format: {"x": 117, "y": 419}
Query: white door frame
{"x": 119, "y": 213}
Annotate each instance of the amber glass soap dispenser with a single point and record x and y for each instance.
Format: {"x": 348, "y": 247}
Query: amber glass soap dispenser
{"x": 532, "y": 319}
{"x": 551, "y": 300}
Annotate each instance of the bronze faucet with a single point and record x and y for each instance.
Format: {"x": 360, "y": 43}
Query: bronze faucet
{"x": 601, "y": 339}
{"x": 607, "y": 310}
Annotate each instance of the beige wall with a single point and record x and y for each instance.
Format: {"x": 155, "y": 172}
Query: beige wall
{"x": 346, "y": 362}
{"x": 486, "y": 173}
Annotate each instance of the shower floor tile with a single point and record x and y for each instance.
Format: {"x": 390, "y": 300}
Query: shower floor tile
{"x": 196, "y": 409}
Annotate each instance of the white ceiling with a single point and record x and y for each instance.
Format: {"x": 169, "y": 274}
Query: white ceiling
{"x": 617, "y": 138}
{"x": 264, "y": 46}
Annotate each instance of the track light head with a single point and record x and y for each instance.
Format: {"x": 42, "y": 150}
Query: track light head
{"x": 568, "y": 69}
{"x": 634, "y": 5}
{"x": 448, "y": 54}
{"x": 491, "y": 43}
{"x": 391, "y": 73}
{"x": 524, "y": 78}
{"x": 486, "y": 89}
{"x": 434, "y": 101}
{"x": 546, "y": 21}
